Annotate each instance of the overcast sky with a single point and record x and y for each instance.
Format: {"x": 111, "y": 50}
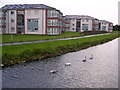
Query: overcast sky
{"x": 101, "y": 9}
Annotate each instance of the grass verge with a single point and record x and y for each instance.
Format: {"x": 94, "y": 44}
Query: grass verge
{"x": 14, "y": 54}
{"x": 22, "y": 38}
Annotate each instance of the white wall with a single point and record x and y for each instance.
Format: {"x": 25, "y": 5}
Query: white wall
{"x": 89, "y": 24}
{"x": 36, "y": 14}
{"x": 0, "y": 22}
{"x": 72, "y": 21}
{"x": 9, "y": 24}
{"x": 106, "y": 25}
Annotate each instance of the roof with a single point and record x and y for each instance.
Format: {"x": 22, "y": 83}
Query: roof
{"x": 79, "y": 16}
{"x": 26, "y": 6}
{"x": 104, "y": 21}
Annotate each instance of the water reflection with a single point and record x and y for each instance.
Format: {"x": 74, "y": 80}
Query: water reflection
{"x": 99, "y": 72}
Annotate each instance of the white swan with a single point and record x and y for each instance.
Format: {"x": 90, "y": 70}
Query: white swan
{"x": 67, "y": 64}
{"x": 85, "y": 59}
{"x": 53, "y": 71}
{"x": 91, "y": 57}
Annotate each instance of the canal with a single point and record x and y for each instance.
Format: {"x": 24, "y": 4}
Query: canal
{"x": 99, "y": 72}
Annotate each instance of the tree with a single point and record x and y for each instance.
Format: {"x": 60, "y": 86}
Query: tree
{"x": 116, "y": 28}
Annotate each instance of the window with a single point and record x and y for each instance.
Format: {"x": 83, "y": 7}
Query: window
{"x": 84, "y": 26}
{"x": 53, "y": 22}
{"x": 73, "y": 28}
{"x": 12, "y": 29}
{"x": 32, "y": 25}
{"x": 103, "y": 28}
{"x": 12, "y": 20}
{"x": 73, "y": 24}
{"x": 53, "y": 31}
{"x": 12, "y": 12}
{"x": 53, "y": 13}
{"x": 29, "y": 20}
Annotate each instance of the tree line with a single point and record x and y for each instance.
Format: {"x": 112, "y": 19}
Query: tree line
{"x": 116, "y": 28}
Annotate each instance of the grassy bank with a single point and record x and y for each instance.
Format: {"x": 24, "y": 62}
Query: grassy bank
{"x": 22, "y": 38}
{"x": 28, "y": 52}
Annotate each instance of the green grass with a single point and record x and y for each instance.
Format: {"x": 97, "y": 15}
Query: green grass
{"x": 23, "y": 38}
{"x": 116, "y": 32}
{"x": 27, "y": 52}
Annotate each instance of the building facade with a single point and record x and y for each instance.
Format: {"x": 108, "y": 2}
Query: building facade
{"x": 31, "y": 19}
{"x": 105, "y": 26}
{"x": 45, "y": 20}
{"x": 80, "y": 23}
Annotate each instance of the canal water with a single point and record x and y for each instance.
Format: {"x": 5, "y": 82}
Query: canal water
{"x": 99, "y": 72}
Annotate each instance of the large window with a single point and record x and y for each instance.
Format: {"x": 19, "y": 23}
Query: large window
{"x": 52, "y": 22}
{"x": 84, "y": 26}
{"x": 54, "y": 13}
{"x": 20, "y": 22}
{"x": 53, "y": 31}
{"x": 32, "y": 25}
{"x": 103, "y": 28}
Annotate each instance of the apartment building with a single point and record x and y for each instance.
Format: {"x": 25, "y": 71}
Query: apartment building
{"x": 105, "y": 25}
{"x": 45, "y": 20}
{"x": 80, "y": 23}
{"x": 31, "y": 19}
{"x": 2, "y": 21}
{"x": 96, "y": 25}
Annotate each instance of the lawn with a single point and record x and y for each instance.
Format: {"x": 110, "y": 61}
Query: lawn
{"x": 35, "y": 51}
{"x": 23, "y": 38}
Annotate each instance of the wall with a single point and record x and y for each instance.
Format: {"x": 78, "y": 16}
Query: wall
{"x": 36, "y": 14}
{"x": 72, "y": 21}
{"x": 2, "y": 22}
{"x": 106, "y": 25}
{"x": 9, "y": 23}
{"x": 89, "y": 24}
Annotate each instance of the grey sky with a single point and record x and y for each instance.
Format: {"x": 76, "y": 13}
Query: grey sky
{"x": 101, "y": 9}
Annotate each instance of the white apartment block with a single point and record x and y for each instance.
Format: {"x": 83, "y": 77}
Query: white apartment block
{"x": 30, "y": 19}
{"x": 105, "y": 26}
{"x": 45, "y": 20}
{"x": 80, "y": 23}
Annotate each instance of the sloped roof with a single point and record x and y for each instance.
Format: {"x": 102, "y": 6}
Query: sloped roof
{"x": 79, "y": 16}
{"x": 26, "y": 6}
{"x": 104, "y": 21}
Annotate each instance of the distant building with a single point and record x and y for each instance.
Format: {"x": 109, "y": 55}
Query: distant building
{"x": 45, "y": 20}
{"x": 105, "y": 26}
{"x": 80, "y": 23}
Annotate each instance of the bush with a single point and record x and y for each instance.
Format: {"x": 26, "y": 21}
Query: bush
{"x": 93, "y": 32}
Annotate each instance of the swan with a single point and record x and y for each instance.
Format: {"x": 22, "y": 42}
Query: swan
{"x": 91, "y": 57}
{"x": 1, "y": 65}
{"x": 67, "y": 64}
{"x": 53, "y": 71}
{"x": 84, "y": 59}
